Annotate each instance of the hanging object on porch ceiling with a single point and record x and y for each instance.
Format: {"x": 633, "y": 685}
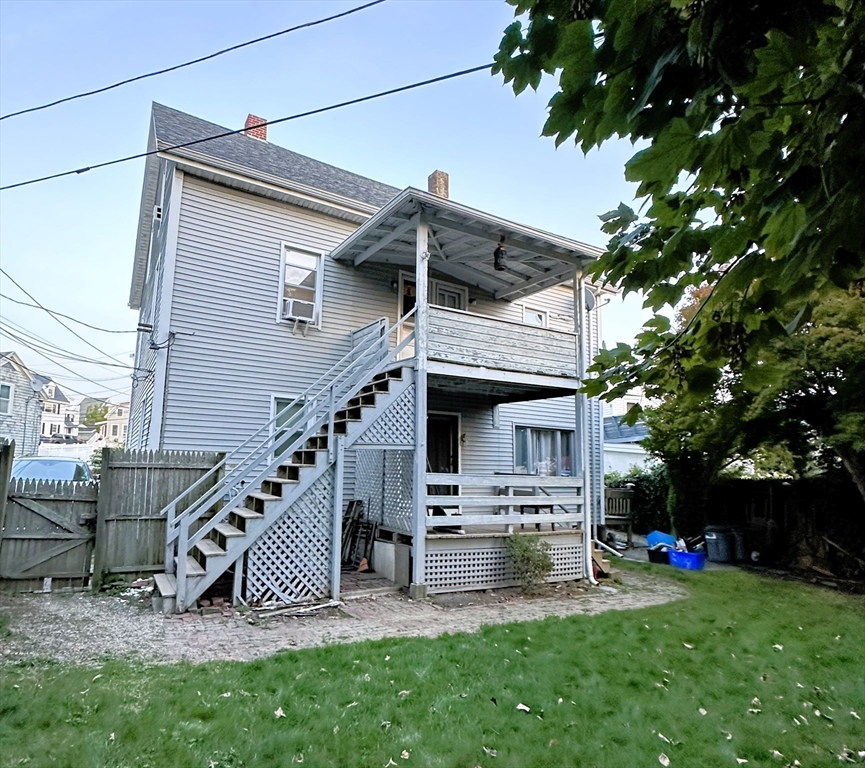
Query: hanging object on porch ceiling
{"x": 499, "y": 256}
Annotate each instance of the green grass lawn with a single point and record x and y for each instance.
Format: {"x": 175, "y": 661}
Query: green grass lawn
{"x": 743, "y": 667}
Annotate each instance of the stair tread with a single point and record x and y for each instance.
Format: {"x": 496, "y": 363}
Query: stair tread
{"x": 246, "y": 513}
{"x": 283, "y": 480}
{"x": 210, "y": 547}
{"x": 263, "y": 496}
{"x": 193, "y": 568}
{"x": 166, "y": 583}
{"x": 228, "y": 530}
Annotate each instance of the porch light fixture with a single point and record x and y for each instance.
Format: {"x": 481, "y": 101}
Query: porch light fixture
{"x": 499, "y": 256}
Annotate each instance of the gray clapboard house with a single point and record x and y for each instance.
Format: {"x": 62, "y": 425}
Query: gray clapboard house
{"x": 342, "y": 340}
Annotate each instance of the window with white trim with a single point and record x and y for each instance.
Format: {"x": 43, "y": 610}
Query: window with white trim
{"x": 537, "y": 317}
{"x": 543, "y": 451}
{"x": 301, "y": 286}
{"x": 7, "y": 397}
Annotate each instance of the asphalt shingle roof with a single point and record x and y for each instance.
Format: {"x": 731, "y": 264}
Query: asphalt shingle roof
{"x": 174, "y": 127}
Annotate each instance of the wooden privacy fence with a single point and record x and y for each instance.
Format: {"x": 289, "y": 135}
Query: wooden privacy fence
{"x": 134, "y": 487}
{"x": 75, "y": 533}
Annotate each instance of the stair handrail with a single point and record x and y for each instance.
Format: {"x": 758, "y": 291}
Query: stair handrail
{"x": 333, "y": 376}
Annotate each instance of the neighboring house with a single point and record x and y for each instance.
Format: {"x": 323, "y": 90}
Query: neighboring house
{"x": 344, "y": 340}
{"x": 86, "y": 432}
{"x": 59, "y": 416}
{"x": 20, "y": 404}
{"x": 115, "y": 427}
{"x": 622, "y": 449}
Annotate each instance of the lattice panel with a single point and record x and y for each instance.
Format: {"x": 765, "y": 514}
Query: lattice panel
{"x": 396, "y": 425}
{"x": 291, "y": 561}
{"x": 488, "y": 566}
{"x": 368, "y": 486}
{"x": 398, "y": 484}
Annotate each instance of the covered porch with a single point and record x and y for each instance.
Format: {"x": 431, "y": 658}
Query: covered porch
{"x": 440, "y": 524}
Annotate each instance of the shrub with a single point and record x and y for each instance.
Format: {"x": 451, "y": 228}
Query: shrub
{"x": 531, "y": 558}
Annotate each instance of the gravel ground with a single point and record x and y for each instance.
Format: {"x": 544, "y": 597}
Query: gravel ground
{"x": 86, "y": 629}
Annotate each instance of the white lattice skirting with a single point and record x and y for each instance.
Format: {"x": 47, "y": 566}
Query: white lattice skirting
{"x": 465, "y": 563}
{"x": 291, "y": 561}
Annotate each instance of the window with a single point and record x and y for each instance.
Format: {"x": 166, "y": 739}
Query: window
{"x": 543, "y": 451}
{"x": 284, "y": 412}
{"x": 6, "y": 398}
{"x": 119, "y": 413}
{"x": 441, "y": 294}
{"x": 54, "y": 429}
{"x": 114, "y": 430}
{"x": 301, "y": 286}
{"x": 535, "y": 317}
{"x": 124, "y": 429}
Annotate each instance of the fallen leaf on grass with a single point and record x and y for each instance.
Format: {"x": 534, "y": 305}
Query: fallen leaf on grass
{"x": 226, "y": 695}
{"x": 551, "y": 742}
{"x": 778, "y": 647}
{"x": 776, "y": 753}
{"x": 385, "y": 724}
{"x": 755, "y": 702}
{"x": 688, "y": 646}
{"x": 94, "y": 679}
{"x": 111, "y": 737}
{"x": 490, "y": 751}
{"x": 663, "y": 760}
{"x": 741, "y": 760}
{"x": 353, "y": 704}
{"x": 335, "y": 730}
{"x": 727, "y": 735}
{"x": 854, "y": 714}
{"x": 279, "y": 712}
{"x": 298, "y": 758}
{"x": 404, "y": 754}
{"x": 561, "y": 700}
{"x": 389, "y": 763}
{"x": 754, "y": 711}
{"x": 702, "y": 711}
{"x": 523, "y": 708}
{"x": 403, "y": 694}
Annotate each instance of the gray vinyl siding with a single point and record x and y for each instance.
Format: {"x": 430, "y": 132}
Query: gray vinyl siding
{"x": 141, "y": 417}
{"x": 21, "y": 424}
{"x": 230, "y": 356}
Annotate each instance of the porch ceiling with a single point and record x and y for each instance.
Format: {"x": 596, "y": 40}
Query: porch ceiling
{"x": 461, "y": 245}
{"x": 495, "y": 392}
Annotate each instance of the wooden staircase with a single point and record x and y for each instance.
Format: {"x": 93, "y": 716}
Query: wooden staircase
{"x": 227, "y": 540}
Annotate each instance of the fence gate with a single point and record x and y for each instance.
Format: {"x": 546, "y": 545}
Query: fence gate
{"x": 47, "y": 531}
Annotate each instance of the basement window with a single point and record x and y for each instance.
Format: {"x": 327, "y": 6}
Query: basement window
{"x": 543, "y": 452}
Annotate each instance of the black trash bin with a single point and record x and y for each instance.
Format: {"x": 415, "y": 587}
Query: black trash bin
{"x": 740, "y": 552}
{"x": 720, "y": 545}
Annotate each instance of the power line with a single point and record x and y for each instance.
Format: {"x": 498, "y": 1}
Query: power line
{"x": 74, "y": 333}
{"x": 55, "y": 312}
{"x": 66, "y": 368}
{"x": 53, "y": 348}
{"x": 193, "y": 61}
{"x": 299, "y": 115}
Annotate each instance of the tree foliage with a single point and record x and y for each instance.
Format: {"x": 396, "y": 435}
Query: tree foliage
{"x": 754, "y": 117}
{"x": 95, "y": 414}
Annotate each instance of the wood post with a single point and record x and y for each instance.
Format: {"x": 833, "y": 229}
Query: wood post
{"x": 582, "y": 404}
{"x": 102, "y": 512}
{"x": 421, "y": 334}
{"x": 7, "y": 454}
{"x": 336, "y": 547}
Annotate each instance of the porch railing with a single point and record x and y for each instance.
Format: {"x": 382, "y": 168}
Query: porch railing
{"x": 504, "y": 493}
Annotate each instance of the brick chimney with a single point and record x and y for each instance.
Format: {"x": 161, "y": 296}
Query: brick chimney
{"x": 437, "y": 183}
{"x": 256, "y": 127}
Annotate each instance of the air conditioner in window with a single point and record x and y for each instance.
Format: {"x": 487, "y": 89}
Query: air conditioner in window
{"x": 295, "y": 309}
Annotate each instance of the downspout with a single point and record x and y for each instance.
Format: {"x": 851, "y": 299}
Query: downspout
{"x": 582, "y": 406}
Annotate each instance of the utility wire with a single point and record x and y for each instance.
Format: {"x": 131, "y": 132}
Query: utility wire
{"x": 299, "y": 115}
{"x": 66, "y": 368}
{"x": 74, "y": 333}
{"x": 60, "y": 314}
{"x": 193, "y": 61}
{"x": 53, "y": 348}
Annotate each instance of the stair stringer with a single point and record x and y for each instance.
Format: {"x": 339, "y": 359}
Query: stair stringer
{"x": 274, "y": 510}
{"x": 394, "y": 424}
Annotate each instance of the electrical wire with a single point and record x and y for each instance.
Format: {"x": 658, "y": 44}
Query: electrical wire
{"x": 60, "y": 314}
{"x": 74, "y": 333}
{"x": 191, "y": 62}
{"x": 53, "y": 348}
{"x": 297, "y": 116}
{"x": 74, "y": 373}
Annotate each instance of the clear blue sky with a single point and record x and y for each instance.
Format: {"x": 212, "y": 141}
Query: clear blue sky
{"x": 70, "y": 241}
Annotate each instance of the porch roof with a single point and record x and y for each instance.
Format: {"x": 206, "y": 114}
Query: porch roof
{"x": 461, "y": 245}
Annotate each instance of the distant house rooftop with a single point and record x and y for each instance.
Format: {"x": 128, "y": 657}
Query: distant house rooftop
{"x": 615, "y": 431}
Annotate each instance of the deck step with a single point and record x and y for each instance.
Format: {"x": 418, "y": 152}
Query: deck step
{"x": 228, "y": 530}
{"x": 193, "y": 567}
{"x": 239, "y": 516}
{"x": 209, "y": 548}
{"x": 166, "y": 584}
{"x": 262, "y": 496}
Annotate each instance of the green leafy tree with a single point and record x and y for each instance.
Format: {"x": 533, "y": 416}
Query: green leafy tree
{"x": 754, "y": 116}
{"x": 95, "y": 414}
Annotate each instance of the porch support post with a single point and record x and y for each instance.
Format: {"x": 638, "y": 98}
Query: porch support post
{"x": 581, "y": 404}
{"x": 421, "y": 329}
{"x": 336, "y": 549}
